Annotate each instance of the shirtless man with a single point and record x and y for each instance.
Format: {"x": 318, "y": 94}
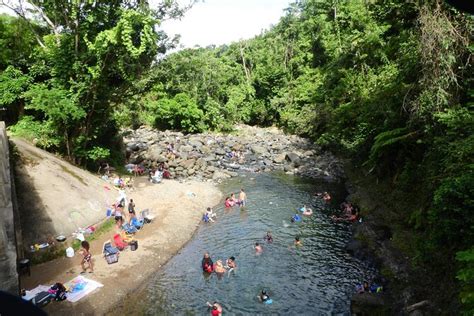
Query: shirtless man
{"x": 242, "y": 197}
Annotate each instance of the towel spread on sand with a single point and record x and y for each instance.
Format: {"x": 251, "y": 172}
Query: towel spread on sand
{"x": 79, "y": 287}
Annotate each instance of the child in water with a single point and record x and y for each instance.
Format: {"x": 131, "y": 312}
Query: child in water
{"x": 258, "y": 248}
{"x": 264, "y": 297}
{"x": 298, "y": 242}
{"x": 268, "y": 237}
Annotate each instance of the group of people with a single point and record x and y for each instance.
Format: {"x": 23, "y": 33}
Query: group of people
{"x": 230, "y": 201}
{"x": 350, "y": 213}
{"x": 219, "y": 268}
{"x": 209, "y": 216}
{"x": 155, "y": 175}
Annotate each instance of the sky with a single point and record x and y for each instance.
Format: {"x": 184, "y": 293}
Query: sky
{"x": 224, "y": 21}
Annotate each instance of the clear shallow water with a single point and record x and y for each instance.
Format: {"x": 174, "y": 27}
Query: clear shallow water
{"x": 315, "y": 279}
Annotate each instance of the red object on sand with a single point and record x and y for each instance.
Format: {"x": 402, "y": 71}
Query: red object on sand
{"x": 107, "y": 188}
{"x": 119, "y": 243}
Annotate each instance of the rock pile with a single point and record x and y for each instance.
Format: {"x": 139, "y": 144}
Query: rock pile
{"x": 214, "y": 156}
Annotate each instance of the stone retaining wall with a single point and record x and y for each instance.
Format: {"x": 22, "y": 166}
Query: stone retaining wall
{"x": 8, "y": 254}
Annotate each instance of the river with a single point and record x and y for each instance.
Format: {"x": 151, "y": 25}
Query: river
{"x": 316, "y": 278}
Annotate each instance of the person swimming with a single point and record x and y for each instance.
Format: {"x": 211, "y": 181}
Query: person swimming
{"x": 216, "y": 308}
{"x": 295, "y": 218}
{"x": 264, "y": 297}
{"x": 298, "y": 242}
{"x": 268, "y": 237}
{"x": 258, "y": 248}
{"x": 231, "y": 263}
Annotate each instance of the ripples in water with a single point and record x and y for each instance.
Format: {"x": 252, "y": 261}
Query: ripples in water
{"x": 315, "y": 279}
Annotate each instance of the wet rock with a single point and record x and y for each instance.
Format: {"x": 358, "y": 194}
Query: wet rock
{"x": 369, "y": 304}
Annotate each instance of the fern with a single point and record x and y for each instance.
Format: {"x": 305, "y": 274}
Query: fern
{"x": 387, "y": 139}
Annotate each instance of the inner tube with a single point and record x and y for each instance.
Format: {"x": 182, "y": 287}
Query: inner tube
{"x": 296, "y": 218}
{"x": 269, "y": 301}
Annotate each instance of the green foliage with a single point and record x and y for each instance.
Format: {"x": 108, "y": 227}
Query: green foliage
{"x": 12, "y": 85}
{"x": 466, "y": 277}
{"x": 98, "y": 153}
{"x": 181, "y": 113}
{"x": 42, "y": 134}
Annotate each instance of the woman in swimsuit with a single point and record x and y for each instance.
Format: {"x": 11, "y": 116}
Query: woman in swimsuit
{"x": 86, "y": 257}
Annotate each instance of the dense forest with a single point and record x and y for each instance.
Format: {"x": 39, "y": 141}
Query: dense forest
{"x": 386, "y": 84}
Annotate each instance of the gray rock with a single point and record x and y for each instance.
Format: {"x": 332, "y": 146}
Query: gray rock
{"x": 293, "y": 158}
{"x": 258, "y": 150}
{"x": 280, "y": 158}
{"x": 185, "y": 148}
{"x": 220, "y": 152}
{"x": 187, "y": 164}
{"x": 191, "y": 172}
{"x": 219, "y": 175}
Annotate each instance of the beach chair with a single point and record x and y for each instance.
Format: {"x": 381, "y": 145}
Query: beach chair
{"x": 110, "y": 252}
{"x": 129, "y": 229}
{"x": 119, "y": 243}
{"x": 137, "y": 223}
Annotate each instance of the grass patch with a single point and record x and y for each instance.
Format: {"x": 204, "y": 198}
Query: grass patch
{"x": 58, "y": 250}
{"x": 73, "y": 174}
{"x": 105, "y": 227}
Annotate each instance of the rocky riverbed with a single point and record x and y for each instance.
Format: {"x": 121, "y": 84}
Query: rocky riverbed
{"x": 213, "y": 157}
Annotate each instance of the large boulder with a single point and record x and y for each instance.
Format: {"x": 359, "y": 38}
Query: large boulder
{"x": 219, "y": 151}
{"x": 187, "y": 164}
{"x": 369, "y": 304}
{"x": 280, "y": 158}
{"x": 294, "y": 158}
{"x": 218, "y": 175}
{"x": 259, "y": 150}
{"x": 185, "y": 148}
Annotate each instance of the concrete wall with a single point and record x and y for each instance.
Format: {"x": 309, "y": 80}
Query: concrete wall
{"x": 8, "y": 254}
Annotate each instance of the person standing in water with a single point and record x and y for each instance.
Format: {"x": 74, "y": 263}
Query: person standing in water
{"x": 242, "y": 197}
{"x": 258, "y": 248}
{"x": 207, "y": 264}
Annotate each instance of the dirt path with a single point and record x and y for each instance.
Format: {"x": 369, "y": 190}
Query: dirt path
{"x": 178, "y": 208}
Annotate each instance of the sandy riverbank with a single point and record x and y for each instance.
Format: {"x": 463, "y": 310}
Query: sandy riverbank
{"x": 178, "y": 214}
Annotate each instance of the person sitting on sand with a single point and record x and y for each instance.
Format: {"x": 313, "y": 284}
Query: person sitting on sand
{"x": 268, "y": 237}
{"x": 209, "y": 216}
{"x": 258, "y": 248}
{"x": 216, "y": 308}
{"x": 207, "y": 264}
{"x": 86, "y": 257}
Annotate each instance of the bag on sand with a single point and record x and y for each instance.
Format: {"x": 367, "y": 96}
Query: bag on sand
{"x": 133, "y": 245}
{"x": 42, "y": 299}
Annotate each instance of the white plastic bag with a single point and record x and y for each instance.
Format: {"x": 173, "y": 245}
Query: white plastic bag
{"x": 69, "y": 252}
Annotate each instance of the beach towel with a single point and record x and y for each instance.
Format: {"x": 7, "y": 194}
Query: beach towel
{"x": 80, "y": 287}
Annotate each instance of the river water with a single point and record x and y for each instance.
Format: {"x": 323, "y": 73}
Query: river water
{"x": 317, "y": 278}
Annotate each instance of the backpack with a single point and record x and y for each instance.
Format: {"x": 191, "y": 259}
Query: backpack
{"x": 59, "y": 291}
